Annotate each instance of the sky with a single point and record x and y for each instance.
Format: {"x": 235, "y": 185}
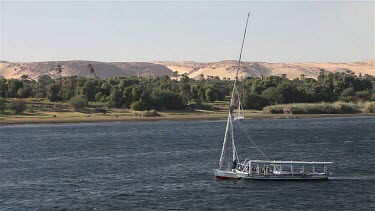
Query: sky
{"x": 202, "y": 31}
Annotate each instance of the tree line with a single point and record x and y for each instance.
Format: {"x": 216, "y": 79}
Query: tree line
{"x": 331, "y": 87}
{"x": 165, "y": 93}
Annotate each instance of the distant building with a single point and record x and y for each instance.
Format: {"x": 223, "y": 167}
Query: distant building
{"x": 321, "y": 72}
{"x": 302, "y": 77}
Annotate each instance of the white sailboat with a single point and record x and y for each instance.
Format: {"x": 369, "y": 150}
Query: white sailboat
{"x": 230, "y": 166}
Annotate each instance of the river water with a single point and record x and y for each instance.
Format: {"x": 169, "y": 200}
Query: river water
{"x": 169, "y": 165}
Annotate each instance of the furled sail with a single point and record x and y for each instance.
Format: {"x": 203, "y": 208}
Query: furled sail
{"x": 229, "y": 155}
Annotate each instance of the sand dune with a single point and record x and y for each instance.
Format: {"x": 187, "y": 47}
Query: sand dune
{"x": 222, "y": 69}
{"x": 102, "y": 69}
{"x": 256, "y": 69}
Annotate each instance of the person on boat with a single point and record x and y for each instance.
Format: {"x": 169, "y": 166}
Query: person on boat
{"x": 240, "y": 167}
{"x": 270, "y": 170}
{"x": 234, "y": 164}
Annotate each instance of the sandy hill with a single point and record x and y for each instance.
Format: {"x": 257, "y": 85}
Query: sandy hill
{"x": 102, "y": 69}
{"x": 292, "y": 70}
{"x": 222, "y": 69}
{"x": 311, "y": 69}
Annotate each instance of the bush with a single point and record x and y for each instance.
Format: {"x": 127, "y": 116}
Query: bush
{"x": 78, "y": 102}
{"x": 369, "y": 108}
{"x": 363, "y": 95}
{"x": 254, "y": 101}
{"x": 313, "y": 108}
{"x": 138, "y": 106}
{"x": 347, "y": 95}
{"x": 167, "y": 100}
{"x": 348, "y": 92}
{"x": 110, "y": 104}
{"x": 30, "y": 109}
{"x": 347, "y": 108}
{"x": 348, "y": 99}
{"x": 151, "y": 113}
{"x": 3, "y": 106}
{"x": 274, "y": 109}
{"x": 18, "y": 106}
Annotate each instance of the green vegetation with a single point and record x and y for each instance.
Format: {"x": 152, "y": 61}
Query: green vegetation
{"x": 328, "y": 88}
{"x": 369, "y": 107}
{"x": 78, "y": 102}
{"x": 137, "y": 93}
{"x": 182, "y": 92}
{"x": 3, "y": 105}
{"x": 17, "y": 105}
{"x": 320, "y": 108}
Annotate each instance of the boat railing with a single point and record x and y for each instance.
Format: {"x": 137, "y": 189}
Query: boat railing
{"x": 282, "y": 168}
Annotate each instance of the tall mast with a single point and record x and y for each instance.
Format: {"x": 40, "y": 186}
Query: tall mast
{"x": 235, "y": 155}
{"x": 243, "y": 42}
{"x": 228, "y": 144}
{"x": 239, "y": 60}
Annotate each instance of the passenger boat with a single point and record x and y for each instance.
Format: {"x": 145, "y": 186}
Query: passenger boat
{"x": 230, "y": 166}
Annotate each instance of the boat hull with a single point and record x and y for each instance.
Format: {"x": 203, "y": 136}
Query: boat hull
{"x": 220, "y": 174}
{"x": 246, "y": 176}
{"x": 284, "y": 178}
{"x": 235, "y": 174}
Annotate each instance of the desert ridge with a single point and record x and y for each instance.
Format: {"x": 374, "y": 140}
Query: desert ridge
{"x": 227, "y": 69}
{"x": 222, "y": 69}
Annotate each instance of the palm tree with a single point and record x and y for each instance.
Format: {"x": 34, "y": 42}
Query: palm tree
{"x": 91, "y": 69}
{"x": 59, "y": 68}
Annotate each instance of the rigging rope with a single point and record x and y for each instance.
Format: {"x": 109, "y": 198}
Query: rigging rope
{"x": 251, "y": 139}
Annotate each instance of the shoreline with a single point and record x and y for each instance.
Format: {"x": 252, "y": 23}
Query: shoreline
{"x": 163, "y": 117}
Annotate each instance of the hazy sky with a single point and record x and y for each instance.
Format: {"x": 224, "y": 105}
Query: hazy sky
{"x": 278, "y": 31}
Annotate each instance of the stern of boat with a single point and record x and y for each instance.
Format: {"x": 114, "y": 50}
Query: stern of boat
{"x": 220, "y": 174}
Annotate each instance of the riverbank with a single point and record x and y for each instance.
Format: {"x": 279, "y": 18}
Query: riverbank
{"x": 76, "y": 117}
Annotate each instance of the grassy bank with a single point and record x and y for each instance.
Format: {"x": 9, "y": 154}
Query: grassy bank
{"x": 42, "y": 111}
{"x": 76, "y": 117}
{"x": 321, "y": 108}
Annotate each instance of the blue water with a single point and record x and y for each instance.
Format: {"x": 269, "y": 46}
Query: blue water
{"x": 169, "y": 165}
